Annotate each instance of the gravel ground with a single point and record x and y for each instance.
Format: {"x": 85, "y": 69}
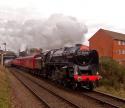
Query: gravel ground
{"x": 21, "y": 97}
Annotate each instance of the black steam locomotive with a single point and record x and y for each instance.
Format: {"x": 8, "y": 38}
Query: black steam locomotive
{"x": 71, "y": 66}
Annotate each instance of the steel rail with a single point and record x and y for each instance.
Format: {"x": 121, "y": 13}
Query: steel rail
{"x": 52, "y": 92}
{"x": 106, "y": 99}
{"x": 33, "y": 92}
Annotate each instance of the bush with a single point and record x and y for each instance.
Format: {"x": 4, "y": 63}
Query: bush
{"x": 113, "y": 74}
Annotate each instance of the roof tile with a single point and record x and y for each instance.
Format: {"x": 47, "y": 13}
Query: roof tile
{"x": 115, "y": 35}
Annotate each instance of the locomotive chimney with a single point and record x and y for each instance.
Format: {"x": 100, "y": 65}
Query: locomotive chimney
{"x": 78, "y": 45}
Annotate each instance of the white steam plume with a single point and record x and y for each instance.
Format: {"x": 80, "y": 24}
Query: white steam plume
{"x": 56, "y": 31}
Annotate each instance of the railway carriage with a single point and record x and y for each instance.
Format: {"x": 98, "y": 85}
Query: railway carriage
{"x": 31, "y": 63}
{"x": 15, "y": 62}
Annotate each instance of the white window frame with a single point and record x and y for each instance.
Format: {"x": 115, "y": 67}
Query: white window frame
{"x": 119, "y": 42}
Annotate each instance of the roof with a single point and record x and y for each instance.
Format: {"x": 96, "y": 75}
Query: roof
{"x": 114, "y": 35}
{"x": 29, "y": 57}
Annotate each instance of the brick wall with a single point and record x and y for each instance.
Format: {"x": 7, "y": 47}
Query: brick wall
{"x": 102, "y": 43}
{"x": 118, "y": 50}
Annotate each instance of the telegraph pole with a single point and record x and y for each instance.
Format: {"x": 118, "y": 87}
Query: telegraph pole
{"x": 2, "y": 54}
{"x": 2, "y": 59}
{"x": 4, "y": 46}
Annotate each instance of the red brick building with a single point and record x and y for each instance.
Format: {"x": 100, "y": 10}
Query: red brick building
{"x": 109, "y": 44}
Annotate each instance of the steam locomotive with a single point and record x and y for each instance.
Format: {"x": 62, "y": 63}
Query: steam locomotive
{"x": 71, "y": 66}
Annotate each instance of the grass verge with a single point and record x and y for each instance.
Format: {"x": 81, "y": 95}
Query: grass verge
{"x": 110, "y": 90}
{"x": 4, "y": 89}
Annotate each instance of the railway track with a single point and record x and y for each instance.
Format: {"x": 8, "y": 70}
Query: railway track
{"x": 107, "y": 99}
{"x": 50, "y": 99}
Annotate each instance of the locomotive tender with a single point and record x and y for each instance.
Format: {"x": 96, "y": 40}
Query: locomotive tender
{"x": 71, "y": 66}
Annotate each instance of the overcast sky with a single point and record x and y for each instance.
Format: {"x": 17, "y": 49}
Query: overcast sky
{"x": 107, "y": 14}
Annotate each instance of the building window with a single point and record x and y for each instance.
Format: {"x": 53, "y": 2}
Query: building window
{"x": 123, "y": 42}
{"x": 123, "y": 51}
{"x": 120, "y": 42}
{"x": 119, "y": 51}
